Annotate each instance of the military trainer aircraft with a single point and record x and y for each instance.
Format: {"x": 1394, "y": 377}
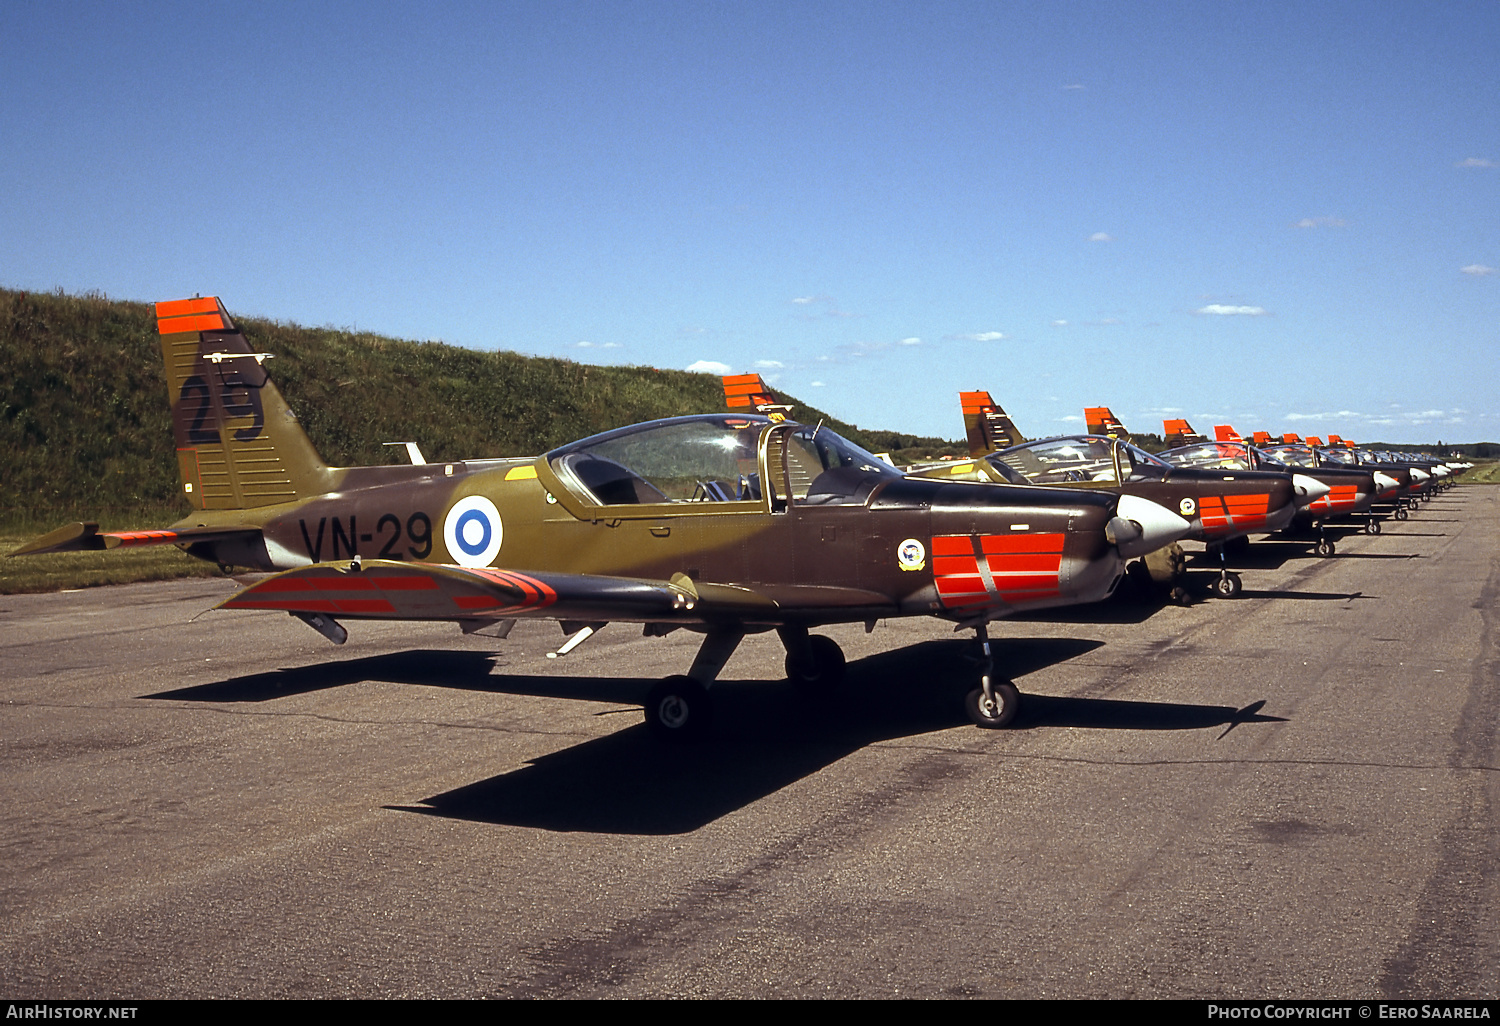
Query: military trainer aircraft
{"x": 723, "y": 524}
{"x": 1349, "y": 490}
{"x": 1220, "y": 506}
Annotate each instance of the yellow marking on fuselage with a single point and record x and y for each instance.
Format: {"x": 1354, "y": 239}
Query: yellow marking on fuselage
{"x": 526, "y": 473}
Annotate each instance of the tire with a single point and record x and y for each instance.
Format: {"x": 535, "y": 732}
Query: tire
{"x": 1001, "y": 713}
{"x": 1400, "y": 513}
{"x": 1372, "y": 526}
{"x": 1325, "y": 548}
{"x": 1227, "y": 586}
{"x": 827, "y": 669}
{"x": 678, "y": 709}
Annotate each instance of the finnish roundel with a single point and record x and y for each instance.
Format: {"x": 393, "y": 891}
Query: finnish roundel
{"x": 1188, "y": 506}
{"x": 472, "y": 531}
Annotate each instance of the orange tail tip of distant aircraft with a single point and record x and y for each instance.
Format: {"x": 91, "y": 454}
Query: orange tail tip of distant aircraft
{"x": 986, "y": 425}
{"x": 1177, "y": 433}
{"x": 1101, "y": 421}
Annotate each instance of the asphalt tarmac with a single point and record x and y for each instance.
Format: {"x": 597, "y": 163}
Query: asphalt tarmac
{"x": 1291, "y": 794}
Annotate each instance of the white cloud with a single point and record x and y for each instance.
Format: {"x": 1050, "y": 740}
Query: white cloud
{"x": 770, "y": 364}
{"x": 1070, "y": 419}
{"x": 805, "y": 300}
{"x": 1073, "y": 86}
{"x": 1477, "y": 269}
{"x": 611, "y": 345}
{"x": 1222, "y": 310}
{"x": 911, "y": 341}
{"x": 1475, "y": 162}
{"x": 583, "y": 345}
{"x": 981, "y": 336}
{"x": 1340, "y": 415}
{"x": 1101, "y": 237}
{"x": 1059, "y": 324}
{"x": 708, "y": 367}
{"x": 1320, "y": 222}
{"x": 816, "y": 384}
{"x": 1109, "y": 320}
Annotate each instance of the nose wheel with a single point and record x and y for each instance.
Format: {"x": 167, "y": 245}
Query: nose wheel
{"x": 1324, "y": 547}
{"x": 996, "y": 709}
{"x": 996, "y": 701}
{"x": 1372, "y": 526}
{"x": 1228, "y": 585}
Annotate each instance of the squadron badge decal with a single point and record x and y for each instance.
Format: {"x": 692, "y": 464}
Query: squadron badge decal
{"x": 911, "y": 555}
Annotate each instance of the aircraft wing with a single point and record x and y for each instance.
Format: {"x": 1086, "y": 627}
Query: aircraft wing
{"x": 88, "y": 537}
{"x": 392, "y": 590}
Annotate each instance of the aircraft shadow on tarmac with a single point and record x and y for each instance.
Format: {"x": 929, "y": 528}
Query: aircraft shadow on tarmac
{"x": 767, "y": 735}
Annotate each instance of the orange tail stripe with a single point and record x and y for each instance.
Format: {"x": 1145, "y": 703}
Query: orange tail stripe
{"x": 199, "y": 322}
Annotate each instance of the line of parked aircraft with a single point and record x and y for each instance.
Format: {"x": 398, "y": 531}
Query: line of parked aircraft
{"x": 724, "y": 524}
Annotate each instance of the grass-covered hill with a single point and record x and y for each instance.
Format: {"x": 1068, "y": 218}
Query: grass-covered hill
{"x": 85, "y": 429}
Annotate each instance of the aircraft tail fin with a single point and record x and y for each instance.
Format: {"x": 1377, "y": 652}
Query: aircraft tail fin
{"x": 987, "y": 425}
{"x": 1179, "y": 432}
{"x": 1291, "y": 438}
{"x": 1101, "y": 421}
{"x": 743, "y": 391}
{"x": 239, "y": 445}
{"x": 1262, "y": 438}
{"x": 1314, "y": 440}
{"x": 1226, "y": 433}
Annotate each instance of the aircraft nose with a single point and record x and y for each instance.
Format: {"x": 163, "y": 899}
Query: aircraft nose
{"x": 1140, "y": 526}
{"x": 1440, "y": 471}
{"x": 1419, "y": 476}
{"x": 1308, "y": 489}
{"x": 1385, "y": 482}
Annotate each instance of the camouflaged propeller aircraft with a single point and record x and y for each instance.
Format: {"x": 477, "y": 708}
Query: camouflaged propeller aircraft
{"x": 724, "y": 524}
{"x": 1219, "y": 506}
{"x": 1350, "y": 491}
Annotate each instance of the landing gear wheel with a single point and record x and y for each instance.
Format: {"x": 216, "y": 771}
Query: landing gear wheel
{"x": 996, "y": 713}
{"x": 1227, "y": 586}
{"x": 1325, "y": 548}
{"x": 1372, "y": 526}
{"x": 678, "y": 709}
{"x": 827, "y": 669}
{"x": 1400, "y": 513}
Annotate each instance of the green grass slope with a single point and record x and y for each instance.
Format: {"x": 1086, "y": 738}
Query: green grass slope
{"x": 85, "y": 430}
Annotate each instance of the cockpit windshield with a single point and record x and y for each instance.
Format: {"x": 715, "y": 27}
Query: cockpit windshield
{"x": 1076, "y": 458}
{"x": 715, "y": 458}
{"x": 1212, "y": 455}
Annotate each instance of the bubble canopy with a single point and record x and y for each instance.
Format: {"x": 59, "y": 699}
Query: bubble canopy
{"x": 717, "y": 458}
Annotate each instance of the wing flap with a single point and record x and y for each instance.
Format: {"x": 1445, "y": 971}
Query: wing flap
{"x": 390, "y": 590}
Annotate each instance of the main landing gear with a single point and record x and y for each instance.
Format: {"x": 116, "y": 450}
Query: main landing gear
{"x": 680, "y": 708}
{"x": 995, "y": 702}
{"x": 1372, "y": 526}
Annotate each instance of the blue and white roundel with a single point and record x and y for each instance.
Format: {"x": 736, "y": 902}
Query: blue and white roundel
{"x": 472, "y": 531}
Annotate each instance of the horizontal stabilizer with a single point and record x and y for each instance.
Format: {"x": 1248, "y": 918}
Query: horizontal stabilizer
{"x": 88, "y": 538}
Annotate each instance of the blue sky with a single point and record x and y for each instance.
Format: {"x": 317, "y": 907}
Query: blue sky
{"x": 1285, "y": 215}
